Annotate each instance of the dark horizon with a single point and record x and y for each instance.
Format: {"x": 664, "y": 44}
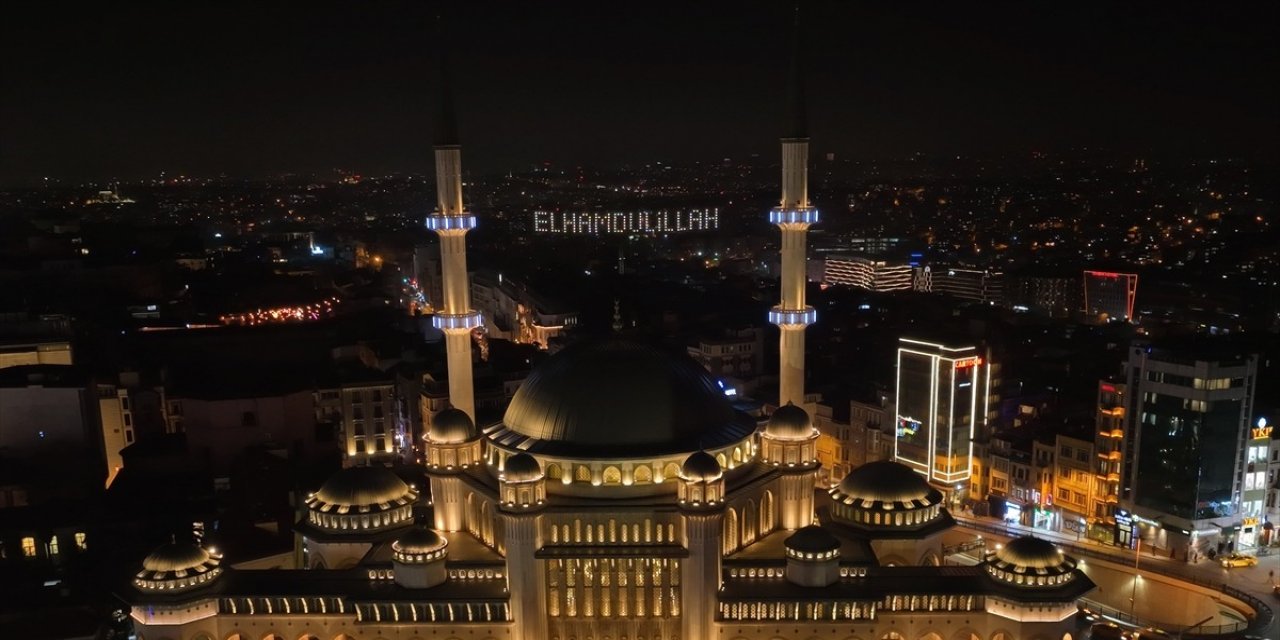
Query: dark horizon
{"x": 102, "y": 93}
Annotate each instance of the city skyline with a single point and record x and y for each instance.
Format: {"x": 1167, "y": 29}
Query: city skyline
{"x": 206, "y": 91}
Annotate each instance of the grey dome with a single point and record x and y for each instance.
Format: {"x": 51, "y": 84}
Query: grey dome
{"x": 812, "y": 539}
{"x": 173, "y": 557}
{"x": 1031, "y": 553}
{"x": 701, "y": 467}
{"x": 888, "y": 482}
{"x": 419, "y": 539}
{"x": 452, "y": 426}
{"x": 364, "y": 486}
{"x": 521, "y": 467}
{"x": 789, "y": 422}
{"x": 619, "y": 399}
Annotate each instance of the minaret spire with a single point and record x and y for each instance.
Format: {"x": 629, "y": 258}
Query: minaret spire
{"x": 796, "y": 124}
{"x": 451, "y": 222}
{"x": 793, "y": 215}
{"x": 446, "y": 125}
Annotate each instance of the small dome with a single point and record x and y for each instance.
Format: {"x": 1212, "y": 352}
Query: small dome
{"x": 419, "y": 540}
{"x": 521, "y": 467}
{"x": 888, "y": 482}
{"x": 701, "y": 467}
{"x": 175, "y": 557}
{"x": 1031, "y": 553}
{"x": 812, "y": 539}
{"x": 364, "y": 486}
{"x": 1031, "y": 562}
{"x": 176, "y": 567}
{"x": 789, "y": 423}
{"x": 452, "y": 426}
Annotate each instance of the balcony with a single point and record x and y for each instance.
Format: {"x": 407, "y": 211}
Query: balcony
{"x": 439, "y": 222}
{"x": 804, "y": 216}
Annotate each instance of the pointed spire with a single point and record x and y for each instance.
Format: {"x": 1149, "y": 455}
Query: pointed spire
{"x": 796, "y": 124}
{"x": 446, "y": 131}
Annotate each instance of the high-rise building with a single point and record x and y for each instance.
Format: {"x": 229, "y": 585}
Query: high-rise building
{"x": 977, "y": 285}
{"x": 1109, "y": 442}
{"x": 866, "y": 273}
{"x": 1051, "y": 294}
{"x": 1109, "y": 296}
{"x": 943, "y": 390}
{"x": 1188, "y": 414}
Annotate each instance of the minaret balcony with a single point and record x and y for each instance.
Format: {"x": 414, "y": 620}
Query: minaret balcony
{"x": 441, "y": 222}
{"x": 795, "y": 318}
{"x": 795, "y": 215}
{"x": 446, "y": 321}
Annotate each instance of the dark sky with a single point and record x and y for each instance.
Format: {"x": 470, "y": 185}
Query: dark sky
{"x": 223, "y": 87}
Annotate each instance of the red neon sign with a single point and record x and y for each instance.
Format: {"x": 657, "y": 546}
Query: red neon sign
{"x": 968, "y": 362}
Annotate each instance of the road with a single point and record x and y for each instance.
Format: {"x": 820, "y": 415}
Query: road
{"x": 1256, "y": 580}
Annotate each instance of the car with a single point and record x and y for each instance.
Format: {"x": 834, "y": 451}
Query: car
{"x": 1238, "y": 560}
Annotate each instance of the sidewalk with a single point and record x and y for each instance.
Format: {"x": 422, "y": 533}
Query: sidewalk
{"x": 1257, "y": 580}
{"x": 1253, "y": 581}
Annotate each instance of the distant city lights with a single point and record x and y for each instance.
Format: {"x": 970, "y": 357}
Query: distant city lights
{"x": 280, "y": 315}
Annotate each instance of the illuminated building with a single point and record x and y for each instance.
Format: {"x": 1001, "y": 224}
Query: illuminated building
{"x": 1055, "y": 295}
{"x": 620, "y": 494}
{"x": 793, "y": 215}
{"x": 976, "y": 285}
{"x": 735, "y": 353}
{"x": 1073, "y": 481}
{"x": 1109, "y": 296}
{"x": 1253, "y": 494}
{"x": 1113, "y": 451}
{"x": 1189, "y": 411}
{"x": 17, "y": 353}
{"x": 866, "y": 273}
{"x": 362, "y": 405}
{"x": 514, "y": 311}
{"x": 454, "y": 315}
{"x": 943, "y": 393}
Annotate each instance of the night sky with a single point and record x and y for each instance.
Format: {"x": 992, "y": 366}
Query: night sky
{"x": 207, "y": 88}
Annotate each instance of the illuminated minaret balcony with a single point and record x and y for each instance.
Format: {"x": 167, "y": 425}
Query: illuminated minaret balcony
{"x": 796, "y": 217}
{"x": 457, "y": 321}
{"x": 441, "y": 222}
{"x": 793, "y": 318}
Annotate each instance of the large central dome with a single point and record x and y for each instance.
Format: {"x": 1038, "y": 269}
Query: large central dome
{"x": 619, "y": 399}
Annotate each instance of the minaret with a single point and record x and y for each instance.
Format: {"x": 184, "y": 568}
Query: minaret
{"x": 456, "y": 319}
{"x": 793, "y": 215}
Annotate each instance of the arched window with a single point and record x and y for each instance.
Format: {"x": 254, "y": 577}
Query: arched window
{"x": 737, "y": 455}
{"x": 671, "y": 471}
{"x": 642, "y": 475}
{"x": 892, "y": 635}
{"x": 730, "y": 531}
{"x": 724, "y": 464}
{"x": 554, "y": 472}
{"x": 766, "y": 513}
{"x": 612, "y": 475}
{"x": 749, "y": 523}
{"x": 582, "y": 473}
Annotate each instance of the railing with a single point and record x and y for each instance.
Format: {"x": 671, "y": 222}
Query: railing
{"x": 1262, "y": 611}
{"x": 1092, "y": 606}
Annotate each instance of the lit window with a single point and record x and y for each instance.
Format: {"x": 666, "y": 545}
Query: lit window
{"x": 29, "y": 547}
{"x": 81, "y": 542}
{"x": 53, "y": 546}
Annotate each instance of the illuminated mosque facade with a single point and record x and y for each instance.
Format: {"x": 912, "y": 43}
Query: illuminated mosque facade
{"x": 621, "y": 497}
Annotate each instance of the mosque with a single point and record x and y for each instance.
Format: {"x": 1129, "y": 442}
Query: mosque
{"x": 620, "y": 497}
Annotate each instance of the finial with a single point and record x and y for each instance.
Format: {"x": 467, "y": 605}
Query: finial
{"x": 796, "y": 124}
{"x": 617, "y": 316}
{"x": 446, "y": 133}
